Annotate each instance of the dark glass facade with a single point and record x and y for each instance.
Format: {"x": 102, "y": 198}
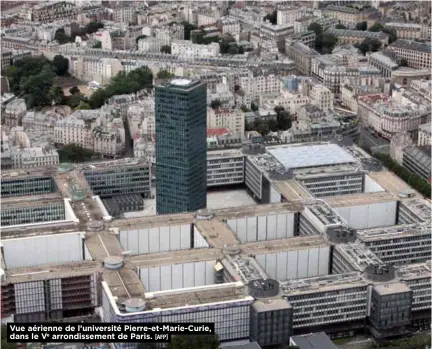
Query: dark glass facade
{"x": 181, "y": 146}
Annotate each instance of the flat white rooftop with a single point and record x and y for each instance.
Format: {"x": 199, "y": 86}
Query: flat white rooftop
{"x": 215, "y": 200}
{"x": 311, "y": 155}
{"x": 181, "y": 82}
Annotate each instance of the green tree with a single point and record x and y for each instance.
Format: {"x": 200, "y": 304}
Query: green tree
{"x": 61, "y": 65}
{"x": 315, "y": 27}
{"x": 74, "y": 90}
{"x": 272, "y": 17}
{"x": 188, "y": 27}
{"x": 56, "y": 95}
{"x": 392, "y": 33}
{"x": 166, "y": 49}
{"x": 93, "y": 27}
{"x": 283, "y": 118}
{"x": 98, "y": 98}
{"x": 369, "y": 45}
{"x": 139, "y": 38}
{"x": 340, "y": 26}
{"x": 262, "y": 128}
{"x": 74, "y": 100}
{"x": 97, "y": 44}
{"x": 194, "y": 342}
{"x": 61, "y": 37}
{"x": 233, "y": 49}
{"x": 244, "y": 109}
{"x": 123, "y": 83}
{"x": 82, "y": 106}
{"x": 254, "y": 107}
{"x": 403, "y": 62}
{"x": 327, "y": 43}
{"x": 164, "y": 74}
{"x": 361, "y": 26}
{"x": 4, "y": 343}
{"x": 74, "y": 153}
{"x": 376, "y": 27}
{"x": 273, "y": 125}
{"x": 215, "y": 104}
{"x": 417, "y": 182}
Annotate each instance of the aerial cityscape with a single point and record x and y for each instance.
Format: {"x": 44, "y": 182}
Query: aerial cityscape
{"x": 263, "y": 166}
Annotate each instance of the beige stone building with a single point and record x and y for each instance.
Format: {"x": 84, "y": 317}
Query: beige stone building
{"x": 417, "y": 54}
{"x": 232, "y": 119}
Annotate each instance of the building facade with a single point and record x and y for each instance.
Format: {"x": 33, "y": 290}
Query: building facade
{"x": 417, "y": 54}
{"x": 181, "y": 146}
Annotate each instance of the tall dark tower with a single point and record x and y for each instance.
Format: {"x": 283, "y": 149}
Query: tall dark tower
{"x": 181, "y": 146}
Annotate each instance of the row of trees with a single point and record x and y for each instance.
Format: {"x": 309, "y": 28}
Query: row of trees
{"x": 122, "y": 83}
{"x": 377, "y": 27}
{"x": 414, "y": 180}
{"x": 90, "y": 28}
{"x": 324, "y": 42}
{"x": 32, "y": 78}
{"x": 368, "y": 44}
{"x": 416, "y": 342}
{"x": 272, "y": 17}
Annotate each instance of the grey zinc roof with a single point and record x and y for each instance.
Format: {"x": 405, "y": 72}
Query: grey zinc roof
{"x": 311, "y": 155}
{"x": 317, "y": 340}
{"x": 358, "y": 33}
{"x": 412, "y": 45}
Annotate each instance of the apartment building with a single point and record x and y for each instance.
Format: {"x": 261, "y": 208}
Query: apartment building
{"x": 321, "y": 97}
{"x": 346, "y": 16}
{"x": 95, "y": 130}
{"x": 93, "y": 68}
{"x": 352, "y": 37}
{"x": 187, "y": 48}
{"x": 409, "y": 31}
{"x": 424, "y": 135}
{"x": 331, "y": 72}
{"x": 292, "y": 102}
{"x": 302, "y": 24}
{"x": 276, "y": 33}
{"x": 383, "y": 62}
{"x": 47, "y": 12}
{"x": 166, "y": 34}
{"x": 205, "y": 19}
{"x": 302, "y": 56}
{"x": 417, "y": 54}
{"x": 149, "y": 44}
{"x": 259, "y": 82}
{"x": 289, "y": 15}
{"x": 233, "y": 119}
{"x": 247, "y": 16}
{"x": 14, "y": 112}
{"x": 389, "y": 116}
{"x": 307, "y": 38}
{"x": 124, "y": 13}
{"x": 34, "y": 157}
{"x": 6, "y": 58}
{"x": 423, "y": 87}
{"x": 229, "y": 25}
{"x": 352, "y": 88}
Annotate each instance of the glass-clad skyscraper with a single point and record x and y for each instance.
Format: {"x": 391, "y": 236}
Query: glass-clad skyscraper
{"x": 181, "y": 146}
